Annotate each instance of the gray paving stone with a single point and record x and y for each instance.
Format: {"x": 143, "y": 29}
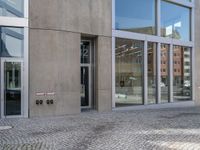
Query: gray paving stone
{"x": 176, "y": 129}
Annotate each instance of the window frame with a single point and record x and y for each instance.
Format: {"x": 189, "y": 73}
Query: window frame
{"x": 159, "y": 40}
{"x": 20, "y": 22}
{"x": 142, "y": 64}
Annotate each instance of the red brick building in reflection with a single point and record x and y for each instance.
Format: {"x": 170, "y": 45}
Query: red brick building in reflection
{"x": 178, "y": 61}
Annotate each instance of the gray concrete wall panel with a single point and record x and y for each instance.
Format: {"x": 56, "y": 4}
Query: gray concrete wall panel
{"x": 104, "y": 73}
{"x": 54, "y": 67}
{"x": 84, "y": 16}
{"x": 56, "y": 27}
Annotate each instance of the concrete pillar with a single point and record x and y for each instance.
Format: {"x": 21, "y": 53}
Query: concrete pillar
{"x": 104, "y": 74}
{"x": 197, "y": 54}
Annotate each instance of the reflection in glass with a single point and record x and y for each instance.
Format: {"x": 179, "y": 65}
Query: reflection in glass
{"x": 85, "y": 86}
{"x": 16, "y": 4}
{"x": 12, "y": 40}
{"x": 129, "y": 71}
{"x": 182, "y": 73}
{"x": 12, "y": 8}
{"x": 176, "y": 22}
{"x": 14, "y": 49}
{"x": 10, "y": 14}
{"x": 152, "y": 72}
{"x": 164, "y": 83}
{"x": 1, "y": 11}
{"x": 135, "y": 16}
{"x": 12, "y": 84}
{"x": 17, "y": 30}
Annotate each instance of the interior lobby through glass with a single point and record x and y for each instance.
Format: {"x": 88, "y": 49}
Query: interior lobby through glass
{"x": 152, "y": 74}
{"x": 164, "y": 71}
{"x": 12, "y": 88}
{"x": 11, "y": 59}
{"x": 140, "y": 27}
{"x": 129, "y": 72}
{"x": 182, "y": 73}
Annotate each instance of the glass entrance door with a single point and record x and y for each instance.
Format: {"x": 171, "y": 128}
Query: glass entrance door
{"x": 85, "y": 70}
{"x": 11, "y": 72}
{"x": 85, "y": 87}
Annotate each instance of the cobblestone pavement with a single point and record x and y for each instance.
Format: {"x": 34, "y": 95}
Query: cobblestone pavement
{"x": 128, "y": 130}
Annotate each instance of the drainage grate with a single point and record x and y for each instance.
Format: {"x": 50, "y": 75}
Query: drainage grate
{"x": 5, "y": 127}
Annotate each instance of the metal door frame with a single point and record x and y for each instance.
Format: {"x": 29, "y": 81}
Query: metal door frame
{"x": 3, "y": 60}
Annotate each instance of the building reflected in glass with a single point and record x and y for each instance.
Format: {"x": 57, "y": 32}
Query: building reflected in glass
{"x": 129, "y": 71}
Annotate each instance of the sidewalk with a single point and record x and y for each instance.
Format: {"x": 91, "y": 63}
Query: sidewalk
{"x": 169, "y": 128}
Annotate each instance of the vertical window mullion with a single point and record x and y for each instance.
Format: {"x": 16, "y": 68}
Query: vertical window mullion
{"x": 158, "y": 76}
{"x": 113, "y": 72}
{"x": 192, "y": 59}
{"x": 192, "y": 64}
{"x": 171, "y": 72}
{"x": 158, "y": 17}
{"x": 145, "y": 72}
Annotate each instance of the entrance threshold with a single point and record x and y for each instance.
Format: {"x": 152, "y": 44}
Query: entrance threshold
{"x": 87, "y": 110}
{"x": 157, "y": 106}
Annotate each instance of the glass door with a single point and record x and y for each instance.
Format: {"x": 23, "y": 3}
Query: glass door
{"x": 85, "y": 75}
{"x": 11, "y": 88}
{"x": 85, "y": 98}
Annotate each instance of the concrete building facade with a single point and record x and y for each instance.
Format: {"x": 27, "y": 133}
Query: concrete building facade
{"x": 63, "y": 57}
{"x": 55, "y": 35}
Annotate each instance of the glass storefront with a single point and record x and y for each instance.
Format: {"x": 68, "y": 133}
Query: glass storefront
{"x": 129, "y": 72}
{"x": 152, "y": 68}
{"x": 176, "y": 22}
{"x": 12, "y": 88}
{"x": 144, "y": 72}
{"x": 13, "y": 58}
{"x": 130, "y": 16}
{"x": 164, "y": 71}
{"x": 182, "y": 73}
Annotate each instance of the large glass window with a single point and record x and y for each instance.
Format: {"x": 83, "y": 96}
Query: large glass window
{"x": 175, "y": 21}
{"x": 182, "y": 73}
{"x": 12, "y": 41}
{"x": 164, "y": 69}
{"x": 129, "y": 71}
{"x": 135, "y": 16}
{"x": 152, "y": 48}
{"x": 12, "y": 8}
